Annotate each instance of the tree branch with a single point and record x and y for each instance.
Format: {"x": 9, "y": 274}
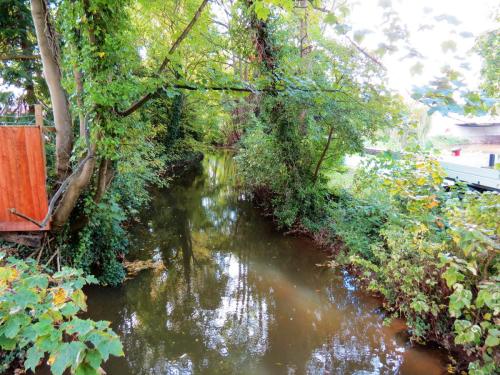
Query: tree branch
{"x": 19, "y": 57}
{"x": 25, "y": 217}
{"x": 139, "y": 103}
{"x": 188, "y": 87}
{"x": 360, "y": 49}
{"x": 356, "y": 45}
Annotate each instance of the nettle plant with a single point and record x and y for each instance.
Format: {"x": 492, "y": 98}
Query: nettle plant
{"x": 473, "y": 266}
{"x": 38, "y": 319}
{"x": 403, "y": 267}
{"x": 438, "y": 262}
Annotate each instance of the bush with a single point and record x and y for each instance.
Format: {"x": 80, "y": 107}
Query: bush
{"x": 357, "y": 222}
{"x": 293, "y": 198}
{"x": 472, "y": 273}
{"x": 100, "y": 246}
{"x": 38, "y": 320}
{"x": 432, "y": 252}
{"x": 102, "y": 243}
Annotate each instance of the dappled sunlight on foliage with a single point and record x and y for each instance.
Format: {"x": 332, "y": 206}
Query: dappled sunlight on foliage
{"x": 39, "y": 322}
{"x": 431, "y": 252}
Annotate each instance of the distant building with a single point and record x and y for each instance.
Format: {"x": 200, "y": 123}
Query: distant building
{"x": 463, "y": 130}
{"x": 477, "y": 133}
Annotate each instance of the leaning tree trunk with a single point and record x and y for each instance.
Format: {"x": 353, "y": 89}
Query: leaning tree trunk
{"x": 72, "y": 184}
{"x": 49, "y": 51}
{"x": 323, "y": 154}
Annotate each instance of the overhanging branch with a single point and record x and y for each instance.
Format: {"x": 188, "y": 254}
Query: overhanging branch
{"x": 254, "y": 90}
{"x": 140, "y": 102}
{"x": 356, "y": 45}
{"x": 19, "y": 57}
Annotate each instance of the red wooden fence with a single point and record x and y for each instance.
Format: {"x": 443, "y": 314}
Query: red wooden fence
{"x": 22, "y": 177}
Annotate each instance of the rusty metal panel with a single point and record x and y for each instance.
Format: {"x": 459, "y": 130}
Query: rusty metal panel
{"x": 22, "y": 178}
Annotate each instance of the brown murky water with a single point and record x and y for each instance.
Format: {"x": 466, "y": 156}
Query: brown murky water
{"x": 237, "y": 297}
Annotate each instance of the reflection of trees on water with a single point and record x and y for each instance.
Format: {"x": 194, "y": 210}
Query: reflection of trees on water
{"x": 237, "y": 297}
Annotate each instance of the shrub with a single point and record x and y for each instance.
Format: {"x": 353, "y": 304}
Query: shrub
{"x": 293, "y": 196}
{"x": 99, "y": 247}
{"x": 102, "y": 243}
{"x": 357, "y": 222}
{"x": 473, "y": 274}
{"x": 436, "y": 258}
{"x": 38, "y": 320}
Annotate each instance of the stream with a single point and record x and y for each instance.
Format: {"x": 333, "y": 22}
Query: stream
{"x": 238, "y": 297}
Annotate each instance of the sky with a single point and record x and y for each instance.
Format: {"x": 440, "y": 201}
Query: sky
{"x": 475, "y": 17}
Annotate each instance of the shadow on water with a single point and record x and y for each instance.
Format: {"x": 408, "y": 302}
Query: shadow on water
{"x": 237, "y": 297}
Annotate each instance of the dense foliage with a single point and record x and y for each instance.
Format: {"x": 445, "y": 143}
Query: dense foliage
{"x": 295, "y": 134}
{"x": 39, "y": 322}
{"x": 138, "y": 88}
{"x": 430, "y": 251}
{"x": 17, "y": 47}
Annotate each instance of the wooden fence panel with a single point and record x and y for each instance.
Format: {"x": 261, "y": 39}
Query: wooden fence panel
{"x": 22, "y": 178}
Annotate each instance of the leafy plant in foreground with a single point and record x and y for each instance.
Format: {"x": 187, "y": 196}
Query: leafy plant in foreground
{"x": 38, "y": 319}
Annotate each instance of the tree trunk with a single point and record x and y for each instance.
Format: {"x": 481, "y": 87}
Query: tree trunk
{"x": 323, "y": 154}
{"x": 49, "y": 51}
{"x": 79, "y": 100}
{"x": 78, "y": 182}
{"x": 72, "y": 184}
{"x": 305, "y": 48}
{"x": 104, "y": 178}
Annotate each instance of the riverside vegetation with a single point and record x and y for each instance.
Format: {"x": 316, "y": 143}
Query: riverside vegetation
{"x": 135, "y": 87}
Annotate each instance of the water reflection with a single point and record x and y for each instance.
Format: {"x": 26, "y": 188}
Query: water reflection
{"x": 238, "y": 298}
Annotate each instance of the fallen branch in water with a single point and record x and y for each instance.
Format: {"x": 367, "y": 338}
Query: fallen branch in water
{"x": 134, "y": 267}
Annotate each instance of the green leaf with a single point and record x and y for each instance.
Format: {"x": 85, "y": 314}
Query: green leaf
{"x": 69, "y": 309}
{"x": 91, "y": 279}
{"x": 37, "y": 281}
{"x": 79, "y": 299}
{"x": 483, "y": 296}
{"x": 420, "y": 306}
{"x": 452, "y": 275}
{"x": 102, "y": 324}
{"x": 461, "y": 325}
{"x": 459, "y": 299}
{"x": 93, "y": 358}
{"x": 68, "y": 354}
{"x": 331, "y": 19}
{"x": 25, "y": 297}
{"x": 13, "y": 325}
{"x": 79, "y": 326}
{"x": 493, "y": 338}
{"x": 43, "y": 327}
{"x": 33, "y": 357}
{"x": 85, "y": 369}
{"x": 466, "y": 332}
{"x": 107, "y": 344}
{"x": 261, "y": 10}
{"x": 7, "y": 343}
